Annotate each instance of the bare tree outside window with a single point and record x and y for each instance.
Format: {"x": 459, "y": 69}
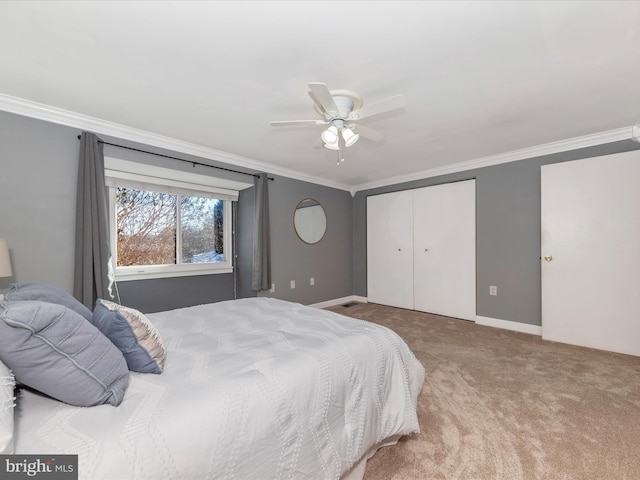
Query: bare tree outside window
{"x": 147, "y": 228}
{"x": 202, "y": 234}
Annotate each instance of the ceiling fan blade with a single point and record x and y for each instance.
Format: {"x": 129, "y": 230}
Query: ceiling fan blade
{"x": 369, "y": 133}
{"x": 316, "y": 103}
{"x": 324, "y": 98}
{"x": 286, "y": 123}
{"x": 391, "y": 103}
{"x": 319, "y": 143}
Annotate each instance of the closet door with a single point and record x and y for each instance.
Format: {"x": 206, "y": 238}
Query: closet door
{"x": 427, "y": 250}
{"x": 390, "y": 249}
{"x": 459, "y": 256}
{"x": 445, "y": 249}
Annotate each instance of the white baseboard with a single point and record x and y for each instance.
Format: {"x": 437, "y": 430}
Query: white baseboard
{"x": 339, "y": 301}
{"x": 486, "y": 321}
{"x": 509, "y": 325}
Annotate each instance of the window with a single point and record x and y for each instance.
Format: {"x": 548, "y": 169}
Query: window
{"x": 163, "y": 227}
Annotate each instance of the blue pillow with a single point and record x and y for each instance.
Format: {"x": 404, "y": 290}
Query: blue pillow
{"x": 133, "y": 334}
{"x": 47, "y": 293}
{"x": 52, "y": 349}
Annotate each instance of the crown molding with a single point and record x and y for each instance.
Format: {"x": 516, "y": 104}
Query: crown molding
{"x": 68, "y": 118}
{"x": 575, "y": 143}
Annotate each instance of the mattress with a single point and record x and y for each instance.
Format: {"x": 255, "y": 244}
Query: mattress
{"x": 255, "y": 388}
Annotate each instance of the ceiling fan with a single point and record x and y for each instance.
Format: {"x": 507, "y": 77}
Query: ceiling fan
{"x": 340, "y": 109}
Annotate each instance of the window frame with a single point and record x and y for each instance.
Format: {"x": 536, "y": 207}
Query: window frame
{"x": 120, "y": 173}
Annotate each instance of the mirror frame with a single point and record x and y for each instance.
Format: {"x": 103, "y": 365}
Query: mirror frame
{"x": 295, "y": 227}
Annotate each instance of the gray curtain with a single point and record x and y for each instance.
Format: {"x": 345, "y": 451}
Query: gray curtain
{"x": 261, "y": 273}
{"x": 93, "y": 273}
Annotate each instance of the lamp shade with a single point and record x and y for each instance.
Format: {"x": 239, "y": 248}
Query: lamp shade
{"x": 330, "y": 138}
{"x": 330, "y": 135}
{"x": 5, "y": 261}
{"x": 349, "y": 137}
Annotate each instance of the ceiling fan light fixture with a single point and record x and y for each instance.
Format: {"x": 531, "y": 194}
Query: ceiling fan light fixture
{"x": 339, "y": 110}
{"x": 330, "y": 135}
{"x": 349, "y": 137}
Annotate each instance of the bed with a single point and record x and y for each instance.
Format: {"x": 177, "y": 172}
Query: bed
{"x": 255, "y": 388}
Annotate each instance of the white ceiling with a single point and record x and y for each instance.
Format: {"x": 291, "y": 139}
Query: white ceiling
{"x": 480, "y": 78}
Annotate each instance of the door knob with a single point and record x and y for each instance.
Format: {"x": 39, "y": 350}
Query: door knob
{"x": 548, "y": 258}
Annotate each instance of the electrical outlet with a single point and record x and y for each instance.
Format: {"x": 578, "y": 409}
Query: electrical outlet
{"x": 312, "y": 281}
{"x": 273, "y": 288}
{"x": 293, "y": 284}
{"x": 493, "y": 290}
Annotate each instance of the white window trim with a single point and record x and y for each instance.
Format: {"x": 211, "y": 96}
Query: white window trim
{"x": 122, "y": 173}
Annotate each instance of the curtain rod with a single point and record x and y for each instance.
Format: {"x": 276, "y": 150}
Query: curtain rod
{"x": 176, "y": 158}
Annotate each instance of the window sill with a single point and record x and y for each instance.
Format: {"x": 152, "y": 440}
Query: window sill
{"x": 141, "y": 273}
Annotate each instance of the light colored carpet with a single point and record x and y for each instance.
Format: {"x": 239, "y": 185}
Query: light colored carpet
{"x": 498, "y": 404}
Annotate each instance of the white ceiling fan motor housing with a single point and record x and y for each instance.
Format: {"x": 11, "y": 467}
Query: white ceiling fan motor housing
{"x": 345, "y": 100}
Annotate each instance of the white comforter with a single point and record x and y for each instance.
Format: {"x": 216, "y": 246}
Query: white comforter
{"x": 252, "y": 389}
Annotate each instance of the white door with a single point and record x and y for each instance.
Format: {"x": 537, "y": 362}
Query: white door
{"x": 445, "y": 249}
{"x": 591, "y": 252}
{"x": 459, "y": 256}
{"x": 390, "y": 249}
{"x": 428, "y": 250}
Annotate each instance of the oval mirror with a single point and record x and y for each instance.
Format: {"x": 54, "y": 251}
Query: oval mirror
{"x": 310, "y": 221}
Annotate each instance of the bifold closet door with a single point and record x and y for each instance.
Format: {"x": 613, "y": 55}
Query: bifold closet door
{"x": 445, "y": 249}
{"x": 390, "y": 249}
{"x": 427, "y": 250}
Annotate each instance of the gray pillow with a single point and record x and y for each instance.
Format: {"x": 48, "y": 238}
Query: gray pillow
{"x": 133, "y": 334}
{"x": 52, "y": 349}
{"x": 47, "y": 293}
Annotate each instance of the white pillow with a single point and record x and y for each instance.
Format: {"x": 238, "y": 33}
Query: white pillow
{"x": 7, "y": 402}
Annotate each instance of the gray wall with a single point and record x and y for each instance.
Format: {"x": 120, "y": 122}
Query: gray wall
{"x": 328, "y": 261}
{"x": 161, "y": 294}
{"x": 508, "y": 232}
{"x": 38, "y": 174}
